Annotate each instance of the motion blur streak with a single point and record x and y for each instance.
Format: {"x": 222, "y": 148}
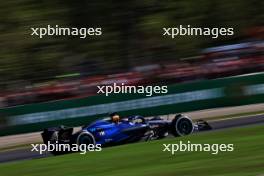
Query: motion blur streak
{"x": 131, "y": 49}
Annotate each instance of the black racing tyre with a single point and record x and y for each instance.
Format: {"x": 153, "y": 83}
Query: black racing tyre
{"x": 85, "y": 138}
{"x": 181, "y": 125}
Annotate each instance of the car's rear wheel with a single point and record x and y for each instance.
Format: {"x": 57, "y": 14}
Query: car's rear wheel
{"x": 85, "y": 138}
{"x": 181, "y": 125}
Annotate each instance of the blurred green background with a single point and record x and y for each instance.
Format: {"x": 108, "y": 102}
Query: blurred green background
{"x": 131, "y": 34}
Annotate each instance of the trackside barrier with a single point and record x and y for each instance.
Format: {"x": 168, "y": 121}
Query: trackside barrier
{"x": 232, "y": 91}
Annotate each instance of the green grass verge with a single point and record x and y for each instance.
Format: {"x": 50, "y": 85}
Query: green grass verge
{"x": 148, "y": 158}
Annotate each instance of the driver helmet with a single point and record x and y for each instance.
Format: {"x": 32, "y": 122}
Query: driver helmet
{"x": 115, "y": 117}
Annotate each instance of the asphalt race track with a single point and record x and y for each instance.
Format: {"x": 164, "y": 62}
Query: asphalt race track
{"x": 25, "y": 154}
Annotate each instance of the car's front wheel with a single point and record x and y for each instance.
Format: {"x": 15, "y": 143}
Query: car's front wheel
{"x": 181, "y": 125}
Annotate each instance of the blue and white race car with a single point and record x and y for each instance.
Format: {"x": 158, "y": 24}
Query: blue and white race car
{"x": 107, "y": 132}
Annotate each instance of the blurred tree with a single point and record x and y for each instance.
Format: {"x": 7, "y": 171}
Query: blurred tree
{"x": 132, "y": 33}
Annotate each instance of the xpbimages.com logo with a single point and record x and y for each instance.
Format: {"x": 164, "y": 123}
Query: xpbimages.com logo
{"x": 56, "y": 147}
{"x": 128, "y": 89}
{"x": 65, "y": 31}
{"x": 191, "y": 147}
{"x": 188, "y": 30}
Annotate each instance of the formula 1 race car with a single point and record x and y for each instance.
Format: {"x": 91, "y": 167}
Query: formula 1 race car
{"x": 128, "y": 130}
